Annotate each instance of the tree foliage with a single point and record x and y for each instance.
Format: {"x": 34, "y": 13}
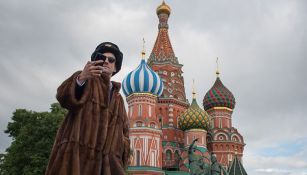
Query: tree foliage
{"x": 33, "y": 135}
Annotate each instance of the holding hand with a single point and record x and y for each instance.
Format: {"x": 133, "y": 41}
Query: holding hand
{"x": 91, "y": 69}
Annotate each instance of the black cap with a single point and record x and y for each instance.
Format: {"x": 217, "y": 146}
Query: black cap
{"x": 113, "y": 48}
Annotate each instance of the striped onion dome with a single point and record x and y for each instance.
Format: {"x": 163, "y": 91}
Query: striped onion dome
{"x": 219, "y": 96}
{"x": 194, "y": 118}
{"x": 142, "y": 80}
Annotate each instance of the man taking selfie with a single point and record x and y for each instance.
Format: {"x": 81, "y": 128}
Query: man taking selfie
{"x": 93, "y": 138}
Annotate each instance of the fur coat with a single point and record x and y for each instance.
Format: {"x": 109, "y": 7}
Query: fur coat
{"x": 93, "y": 138}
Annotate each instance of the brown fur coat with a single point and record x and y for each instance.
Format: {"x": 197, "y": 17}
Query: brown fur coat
{"x": 93, "y": 139}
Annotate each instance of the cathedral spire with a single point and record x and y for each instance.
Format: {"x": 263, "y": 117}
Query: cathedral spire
{"x": 162, "y": 51}
{"x": 162, "y": 60}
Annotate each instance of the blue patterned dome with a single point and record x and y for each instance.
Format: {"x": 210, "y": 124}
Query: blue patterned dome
{"x": 142, "y": 80}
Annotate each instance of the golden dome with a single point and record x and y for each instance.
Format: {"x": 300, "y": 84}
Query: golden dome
{"x": 194, "y": 118}
{"x": 163, "y": 8}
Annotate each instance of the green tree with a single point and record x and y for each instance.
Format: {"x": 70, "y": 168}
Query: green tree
{"x": 33, "y": 135}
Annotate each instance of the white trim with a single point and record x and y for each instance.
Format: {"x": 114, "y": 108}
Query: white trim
{"x": 239, "y": 138}
{"x": 221, "y": 133}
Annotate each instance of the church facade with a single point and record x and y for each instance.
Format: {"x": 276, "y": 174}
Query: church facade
{"x": 162, "y": 122}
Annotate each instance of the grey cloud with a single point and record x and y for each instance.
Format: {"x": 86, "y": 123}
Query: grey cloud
{"x": 260, "y": 45}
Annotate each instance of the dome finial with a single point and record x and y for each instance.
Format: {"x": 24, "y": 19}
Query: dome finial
{"x": 193, "y": 90}
{"x": 217, "y": 67}
{"x": 143, "y": 50}
{"x": 163, "y": 8}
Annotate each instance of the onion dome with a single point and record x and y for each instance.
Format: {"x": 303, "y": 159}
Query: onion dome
{"x": 219, "y": 96}
{"x": 142, "y": 80}
{"x": 194, "y": 118}
{"x": 163, "y": 8}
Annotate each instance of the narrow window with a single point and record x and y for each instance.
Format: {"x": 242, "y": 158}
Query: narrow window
{"x": 153, "y": 159}
{"x": 229, "y": 157}
{"x": 131, "y": 111}
{"x": 138, "y": 158}
{"x": 168, "y": 155}
{"x": 220, "y": 122}
{"x": 161, "y": 120}
{"x": 140, "y": 110}
{"x": 149, "y": 110}
{"x": 177, "y": 157}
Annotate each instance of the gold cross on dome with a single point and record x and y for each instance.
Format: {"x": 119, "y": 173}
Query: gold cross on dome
{"x": 217, "y": 67}
{"x": 143, "y": 51}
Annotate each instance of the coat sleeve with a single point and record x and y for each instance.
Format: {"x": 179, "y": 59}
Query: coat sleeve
{"x": 68, "y": 96}
{"x": 126, "y": 140}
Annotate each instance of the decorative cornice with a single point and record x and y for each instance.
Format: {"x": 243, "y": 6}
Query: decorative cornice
{"x": 196, "y": 130}
{"x": 142, "y": 94}
{"x": 142, "y": 128}
{"x": 219, "y": 108}
{"x": 173, "y": 100}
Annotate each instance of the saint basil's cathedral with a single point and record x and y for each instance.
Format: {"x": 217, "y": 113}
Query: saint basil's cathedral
{"x": 162, "y": 122}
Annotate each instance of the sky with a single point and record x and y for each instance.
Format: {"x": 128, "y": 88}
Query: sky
{"x": 261, "y": 47}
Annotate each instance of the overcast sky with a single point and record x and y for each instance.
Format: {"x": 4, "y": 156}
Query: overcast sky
{"x": 261, "y": 46}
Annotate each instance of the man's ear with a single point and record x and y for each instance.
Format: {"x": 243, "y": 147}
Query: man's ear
{"x": 114, "y": 69}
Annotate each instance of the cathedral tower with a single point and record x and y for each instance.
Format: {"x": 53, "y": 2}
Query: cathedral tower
{"x": 223, "y": 139}
{"x": 195, "y": 122}
{"x": 142, "y": 87}
{"x": 173, "y": 100}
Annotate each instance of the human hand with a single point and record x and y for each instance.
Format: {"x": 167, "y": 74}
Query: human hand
{"x": 91, "y": 69}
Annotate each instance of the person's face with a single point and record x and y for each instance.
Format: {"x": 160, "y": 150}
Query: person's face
{"x": 108, "y": 67}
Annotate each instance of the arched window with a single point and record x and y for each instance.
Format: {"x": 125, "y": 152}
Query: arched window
{"x": 168, "y": 155}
